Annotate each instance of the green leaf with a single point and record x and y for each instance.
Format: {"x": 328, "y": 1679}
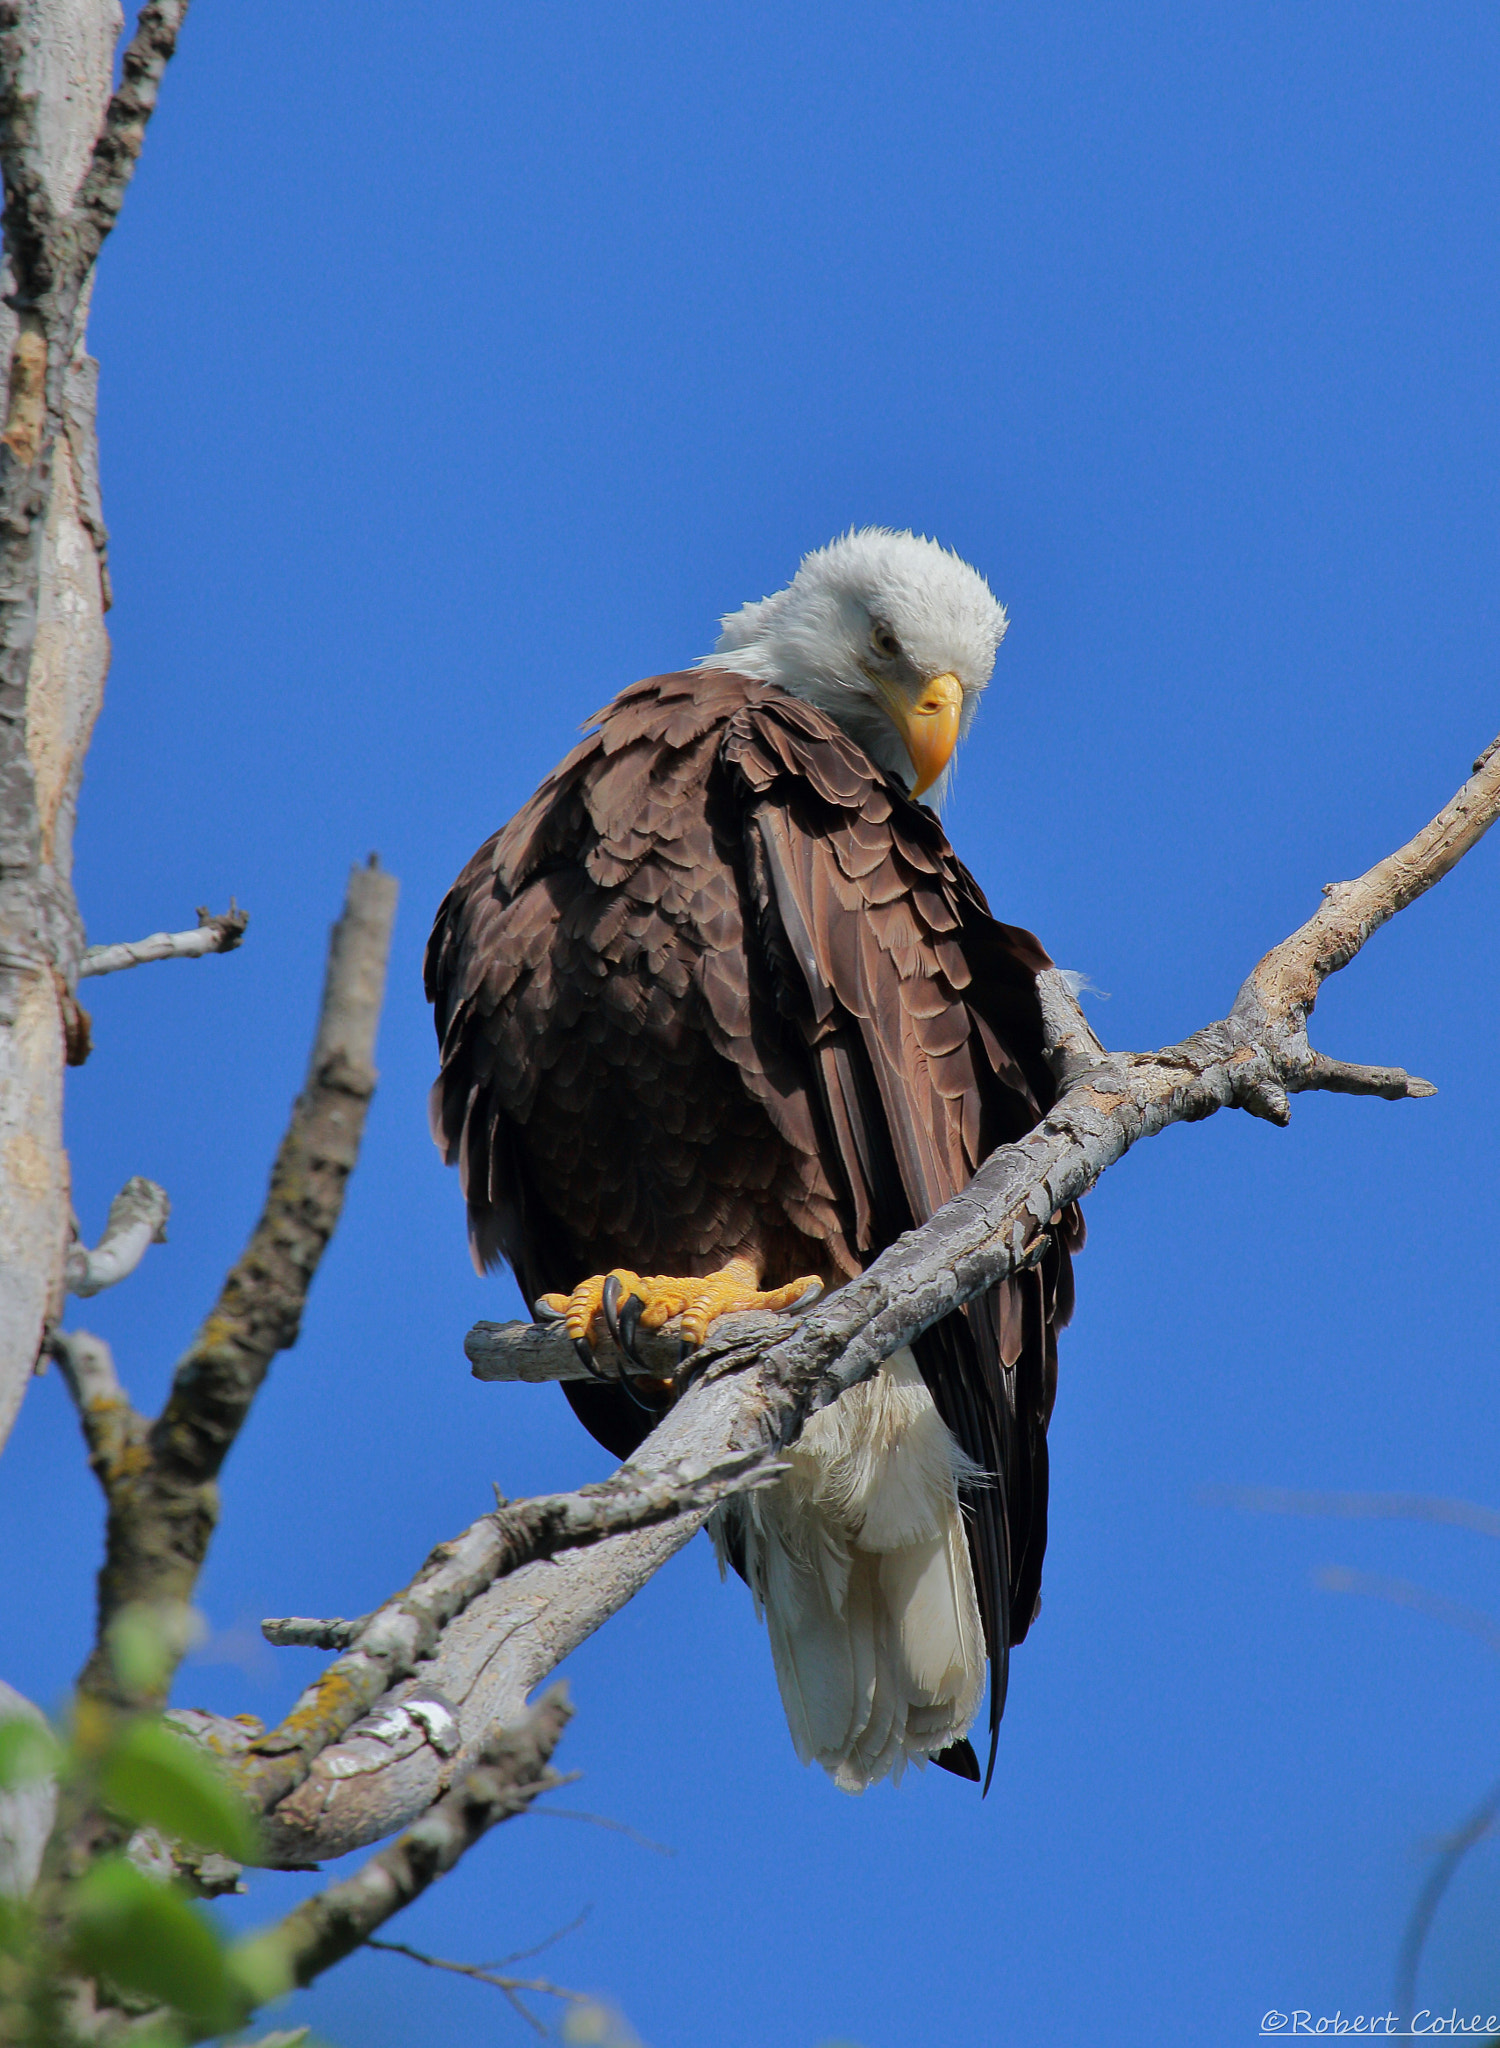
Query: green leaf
{"x": 261, "y": 1968}
{"x": 140, "y": 1648}
{"x": 151, "y": 1775}
{"x": 17, "y": 1926}
{"x": 145, "y": 1937}
{"x": 28, "y": 1751}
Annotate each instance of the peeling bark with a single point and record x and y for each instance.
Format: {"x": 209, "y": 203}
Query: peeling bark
{"x": 67, "y": 149}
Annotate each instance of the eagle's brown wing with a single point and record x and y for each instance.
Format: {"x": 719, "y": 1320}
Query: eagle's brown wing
{"x": 920, "y": 1013}
{"x": 616, "y": 1086}
{"x": 720, "y": 985}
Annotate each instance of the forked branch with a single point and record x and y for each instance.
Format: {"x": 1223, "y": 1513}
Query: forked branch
{"x": 158, "y": 1477}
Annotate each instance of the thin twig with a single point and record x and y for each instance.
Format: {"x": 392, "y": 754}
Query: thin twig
{"x": 1474, "y": 1829}
{"x": 259, "y": 1310}
{"x": 212, "y": 934}
{"x": 611, "y": 1827}
{"x": 484, "y": 1973}
{"x": 1402, "y": 1507}
{"x": 1337, "y": 1578}
{"x": 537, "y": 1948}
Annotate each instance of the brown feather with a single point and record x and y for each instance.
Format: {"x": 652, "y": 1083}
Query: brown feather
{"x": 721, "y": 988}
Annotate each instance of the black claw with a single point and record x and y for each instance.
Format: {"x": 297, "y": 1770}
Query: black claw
{"x": 543, "y": 1314}
{"x": 585, "y": 1351}
{"x": 614, "y": 1294}
{"x": 629, "y": 1324}
{"x": 627, "y": 1385}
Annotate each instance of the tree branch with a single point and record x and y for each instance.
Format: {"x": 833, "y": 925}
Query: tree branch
{"x": 213, "y": 934}
{"x": 96, "y": 207}
{"x": 1405, "y": 1507}
{"x": 137, "y": 1220}
{"x": 307, "y": 1632}
{"x": 158, "y": 1477}
{"x": 509, "y": 1772}
{"x": 391, "y": 1643}
{"x": 750, "y": 1392}
{"x": 489, "y": 1973}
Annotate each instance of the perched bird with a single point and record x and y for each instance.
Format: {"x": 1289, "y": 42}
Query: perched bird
{"x": 721, "y": 1014}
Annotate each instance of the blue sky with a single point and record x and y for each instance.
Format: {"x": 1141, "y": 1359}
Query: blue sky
{"x": 460, "y": 367}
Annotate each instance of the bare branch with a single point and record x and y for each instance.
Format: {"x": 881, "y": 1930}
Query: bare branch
{"x": 113, "y": 1431}
{"x": 752, "y": 1392}
{"x": 303, "y": 1632}
{"x": 1475, "y": 1828}
{"x": 490, "y": 1973}
{"x": 540, "y": 1352}
{"x": 509, "y": 1773}
{"x": 1343, "y": 1077}
{"x": 1337, "y": 1578}
{"x": 1405, "y": 1507}
{"x": 1288, "y": 979}
{"x": 213, "y": 934}
{"x": 137, "y": 1220}
{"x": 393, "y": 1641}
{"x": 159, "y": 1478}
{"x": 96, "y": 206}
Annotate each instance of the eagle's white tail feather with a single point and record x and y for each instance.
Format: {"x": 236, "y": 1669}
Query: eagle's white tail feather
{"x": 858, "y": 1561}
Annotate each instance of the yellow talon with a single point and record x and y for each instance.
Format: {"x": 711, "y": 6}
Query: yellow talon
{"x": 585, "y": 1305}
{"x": 699, "y": 1301}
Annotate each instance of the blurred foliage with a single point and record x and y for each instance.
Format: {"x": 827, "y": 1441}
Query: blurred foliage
{"x": 124, "y": 1922}
{"x": 591, "y": 2025}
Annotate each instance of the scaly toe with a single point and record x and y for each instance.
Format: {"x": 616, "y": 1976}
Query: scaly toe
{"x": 733, "y": 1291}
{"x": 621, "y": 1302}
{"x": 583, "y": 1309}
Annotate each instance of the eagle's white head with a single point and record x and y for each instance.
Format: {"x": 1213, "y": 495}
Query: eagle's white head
{"x": 893, "y": 636}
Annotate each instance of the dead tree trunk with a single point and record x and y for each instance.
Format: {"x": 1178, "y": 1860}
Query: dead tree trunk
{"x": 56, "y": 58}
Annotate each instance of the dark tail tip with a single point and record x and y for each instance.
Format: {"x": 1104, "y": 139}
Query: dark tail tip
{"x": 959, "y": 1758}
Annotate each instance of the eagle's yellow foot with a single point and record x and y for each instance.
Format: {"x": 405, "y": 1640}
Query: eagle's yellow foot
{"x": 626, "y": 1302}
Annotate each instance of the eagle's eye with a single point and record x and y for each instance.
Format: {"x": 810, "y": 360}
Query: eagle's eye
{"x": 884, "y": 641}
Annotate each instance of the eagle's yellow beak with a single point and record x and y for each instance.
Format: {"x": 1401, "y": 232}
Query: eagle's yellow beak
{"x": 930, "y": 729}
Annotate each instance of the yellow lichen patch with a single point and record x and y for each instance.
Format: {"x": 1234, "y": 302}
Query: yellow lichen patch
{"x": 26, "y": 409}
{"x": 26, "y": 1166}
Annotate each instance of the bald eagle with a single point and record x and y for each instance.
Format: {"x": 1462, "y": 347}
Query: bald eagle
{"x": 721, "y": 1014}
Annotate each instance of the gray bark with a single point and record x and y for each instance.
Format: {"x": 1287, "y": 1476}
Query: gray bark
{"x": 56, "y": 57}
{"x": 137, "y": 1220}
{"x": 211, "y": 935}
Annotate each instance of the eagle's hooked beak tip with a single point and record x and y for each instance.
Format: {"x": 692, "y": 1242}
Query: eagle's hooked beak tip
{"x": 930, "y": 729}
